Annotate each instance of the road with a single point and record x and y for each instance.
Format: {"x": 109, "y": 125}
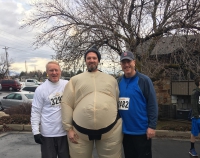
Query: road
{"x": 22, "y": 145}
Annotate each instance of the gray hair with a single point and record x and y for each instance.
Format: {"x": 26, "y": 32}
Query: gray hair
{"x": 52, "y": 62}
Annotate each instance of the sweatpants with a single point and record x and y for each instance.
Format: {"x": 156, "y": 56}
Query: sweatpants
{"x": 137, "y": 146}
{"x": 110, "y": 147}
{"x": 55, "y": 147}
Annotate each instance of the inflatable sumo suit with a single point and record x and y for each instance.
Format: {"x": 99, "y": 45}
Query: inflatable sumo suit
{"x": 89, "y": 107}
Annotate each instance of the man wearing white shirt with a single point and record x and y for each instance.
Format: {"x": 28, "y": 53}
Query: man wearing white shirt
{"x": 46, "y": 115}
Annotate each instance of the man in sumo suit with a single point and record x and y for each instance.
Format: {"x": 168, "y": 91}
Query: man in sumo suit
{"x": 90, "y": 113}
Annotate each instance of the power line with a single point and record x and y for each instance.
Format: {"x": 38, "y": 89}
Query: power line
{"x": 13, "y": 39}
{"x": 15, "y": 48}
{"x": 25, "y": 49}
{"x": 18, "y": 37}
{"x": 24, "y": 42}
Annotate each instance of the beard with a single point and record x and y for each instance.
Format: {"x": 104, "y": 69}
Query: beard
{"x": 92, "y": 68}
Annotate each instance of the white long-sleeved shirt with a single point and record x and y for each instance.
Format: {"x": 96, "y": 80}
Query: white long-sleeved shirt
{"x": 46, "y": 109}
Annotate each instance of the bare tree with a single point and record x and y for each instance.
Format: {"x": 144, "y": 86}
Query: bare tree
{"x": 4, "y": 66}
{"x": 72, "y": 26}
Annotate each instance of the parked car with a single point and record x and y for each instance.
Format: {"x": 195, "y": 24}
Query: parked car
{"x": 16, "y": 98}
{"x": 10, "y": 85}
{"x": 22, "y": 84}
{"x": 31, "y": 82}
{"x": 29, "y": 88}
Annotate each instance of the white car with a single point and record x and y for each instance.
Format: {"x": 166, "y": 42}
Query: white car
{"x": 29, "y": 88}
{"x": 16, "y": 98}
{"x": 31, "y": 82}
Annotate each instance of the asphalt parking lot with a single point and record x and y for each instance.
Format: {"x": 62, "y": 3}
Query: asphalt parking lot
{"x": 21, "y": 145}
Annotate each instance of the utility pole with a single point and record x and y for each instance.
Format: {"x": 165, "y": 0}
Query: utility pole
{"x": 6, "y": 48}
{"x": 26, "y": 67}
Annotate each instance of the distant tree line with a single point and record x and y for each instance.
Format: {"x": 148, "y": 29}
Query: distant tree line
{"x": 43, "y": 75}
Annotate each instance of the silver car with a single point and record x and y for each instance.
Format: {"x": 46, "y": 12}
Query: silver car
{"x": 16, "y": 98}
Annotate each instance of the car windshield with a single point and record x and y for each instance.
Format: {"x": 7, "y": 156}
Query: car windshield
{"x": 32, "y": 89}
{"x": 29, "y": 96}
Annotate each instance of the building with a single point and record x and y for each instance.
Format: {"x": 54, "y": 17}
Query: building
{"x": 179, "y": 61}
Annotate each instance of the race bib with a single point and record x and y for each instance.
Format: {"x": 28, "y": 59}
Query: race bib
{"x": 123, "y": 103}
{"x": 55, "y": 99}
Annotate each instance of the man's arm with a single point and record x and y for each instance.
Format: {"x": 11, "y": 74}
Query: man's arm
{"x": 152, "y": 105}
{"x": 36, "y": 117}
{"x": 194, "y": 104}
{"x": 67, "y": 105}
{"x": 152, "y": 108}
{"x": 117, "y": 91}
{"x": 67, "y": 108}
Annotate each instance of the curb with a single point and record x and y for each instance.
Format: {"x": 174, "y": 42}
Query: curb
{"x": 159, "y": 133}
{"x": 17, "y": 127}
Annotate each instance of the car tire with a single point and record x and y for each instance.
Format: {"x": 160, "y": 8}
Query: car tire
{"x": 10, "y": 89}
{"x": 1, "y": 108}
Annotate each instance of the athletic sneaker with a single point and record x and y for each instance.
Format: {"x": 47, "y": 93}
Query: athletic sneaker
{"x": 193, "y": 152}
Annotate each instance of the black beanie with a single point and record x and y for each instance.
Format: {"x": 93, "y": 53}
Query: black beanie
{"x": 95, "y": 50}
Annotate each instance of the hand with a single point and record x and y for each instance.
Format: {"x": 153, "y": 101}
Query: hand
{"x": 38, "y": 138}
{"x": 72, "y": 136}
{"x": 150, "y": 133}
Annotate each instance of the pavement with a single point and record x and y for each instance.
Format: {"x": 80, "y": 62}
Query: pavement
{"x": 20, "y": 144}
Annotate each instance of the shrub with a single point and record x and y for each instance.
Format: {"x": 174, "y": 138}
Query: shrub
{"x": 18, "y": 115}
{"x": 24, "y": 109}
{"x": 177, "y": 128}
{"x": 15, "y": 119}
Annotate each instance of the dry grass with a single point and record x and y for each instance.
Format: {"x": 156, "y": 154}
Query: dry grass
{"x": 176, "y": 125}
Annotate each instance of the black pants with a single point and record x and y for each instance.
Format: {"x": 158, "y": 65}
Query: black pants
{"x": 55, "y": 146}
{"x": 137, "y": 146}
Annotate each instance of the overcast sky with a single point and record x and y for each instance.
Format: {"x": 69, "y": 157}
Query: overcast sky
{"x": 19, "y": 41}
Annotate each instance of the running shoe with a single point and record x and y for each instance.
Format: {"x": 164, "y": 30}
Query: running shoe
{"x": 193, "y": 152}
